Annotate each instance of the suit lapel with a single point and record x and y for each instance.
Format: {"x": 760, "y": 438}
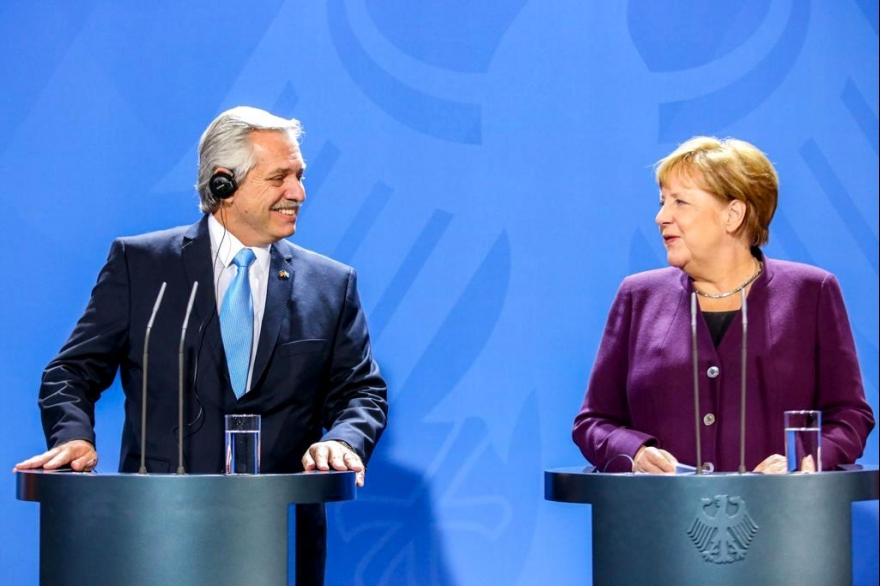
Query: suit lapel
{"x": 196, "y": 253}
{"x": 279, "y": 285}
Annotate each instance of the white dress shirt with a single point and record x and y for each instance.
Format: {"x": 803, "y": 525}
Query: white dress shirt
{"x": 224, "y": 247}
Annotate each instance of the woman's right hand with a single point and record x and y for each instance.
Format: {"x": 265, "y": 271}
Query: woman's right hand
{"x": 653, "y": 460}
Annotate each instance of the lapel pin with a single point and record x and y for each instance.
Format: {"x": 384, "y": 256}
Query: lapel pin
{"x": 283, "y": 275}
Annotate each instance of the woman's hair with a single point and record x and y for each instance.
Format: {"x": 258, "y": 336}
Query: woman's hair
{"x": 227, "y": 143}
{"x": 729, "y": 169}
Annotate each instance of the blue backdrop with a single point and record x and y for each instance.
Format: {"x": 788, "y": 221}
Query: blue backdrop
{"x": 486, "y": 166}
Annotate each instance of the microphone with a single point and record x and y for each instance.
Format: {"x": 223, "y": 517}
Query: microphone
{"x": 189, "y": 306}
{"x": 143, "y": 468}
{"x": 696, "y": 379}
{"x": 742, "y": 391}
{"x": 192, "y": 298}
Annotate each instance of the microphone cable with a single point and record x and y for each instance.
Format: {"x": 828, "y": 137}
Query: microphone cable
{"x": 203, "y": 328}
{"x": 614, "y": 457}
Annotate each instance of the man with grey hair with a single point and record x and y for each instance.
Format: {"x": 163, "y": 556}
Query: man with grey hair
{"x": 300, "y": 357}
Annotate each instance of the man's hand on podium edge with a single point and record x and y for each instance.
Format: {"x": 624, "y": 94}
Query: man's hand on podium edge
{"x": 79, "y": 455}
{"x": 323, "y": 455}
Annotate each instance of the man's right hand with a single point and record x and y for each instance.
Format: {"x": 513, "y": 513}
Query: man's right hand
{"x": 80, "y": 455}
{"x": 654, "y": 461}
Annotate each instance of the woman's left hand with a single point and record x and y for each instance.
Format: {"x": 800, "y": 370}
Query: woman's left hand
{"x": 774, "y": 464}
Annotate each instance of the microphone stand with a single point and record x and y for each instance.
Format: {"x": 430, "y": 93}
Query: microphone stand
{"x": 696, "y": 379}
{"x": 192, "y": 298}
{"x": 143, "y": 468}
{"x": 742, "y": 392}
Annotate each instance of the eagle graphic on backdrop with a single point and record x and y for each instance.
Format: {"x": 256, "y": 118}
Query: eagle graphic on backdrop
{"x": 723, "y": 529}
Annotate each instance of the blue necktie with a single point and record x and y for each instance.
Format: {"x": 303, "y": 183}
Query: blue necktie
{"x": 237, "y": 322}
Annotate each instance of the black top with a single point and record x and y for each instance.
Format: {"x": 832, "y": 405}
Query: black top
{"x": 718, "y": 322}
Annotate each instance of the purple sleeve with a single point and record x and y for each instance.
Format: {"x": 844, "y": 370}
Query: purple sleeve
{"x": 847, "y": 418}
{"x": 601, "y": 428}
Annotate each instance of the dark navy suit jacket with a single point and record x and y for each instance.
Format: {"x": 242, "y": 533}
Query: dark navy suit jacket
{"x": 314, "y": 376}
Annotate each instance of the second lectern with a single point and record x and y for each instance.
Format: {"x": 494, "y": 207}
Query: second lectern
{"x": 720, "y": 528}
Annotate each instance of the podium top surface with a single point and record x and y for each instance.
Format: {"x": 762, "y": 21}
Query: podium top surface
{"x": 301, "y": 488}
{"x": 580, "y": 484}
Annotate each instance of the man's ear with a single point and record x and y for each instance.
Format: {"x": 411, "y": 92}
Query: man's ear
{"x": 222, "y": 184}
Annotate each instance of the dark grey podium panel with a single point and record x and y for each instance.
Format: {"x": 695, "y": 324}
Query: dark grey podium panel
{"x": 718, "y": 529}
{"x": 160, "y": 529}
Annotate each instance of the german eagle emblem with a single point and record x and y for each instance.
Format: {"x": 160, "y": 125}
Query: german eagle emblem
{"x": 723, "y": 529}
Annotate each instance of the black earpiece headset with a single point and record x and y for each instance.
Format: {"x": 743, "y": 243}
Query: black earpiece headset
{"x": 222, "y": 184}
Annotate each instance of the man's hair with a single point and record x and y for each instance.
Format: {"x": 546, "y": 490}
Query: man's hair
{"x": 729, "y": 169}
{"x": 227, "y": 143}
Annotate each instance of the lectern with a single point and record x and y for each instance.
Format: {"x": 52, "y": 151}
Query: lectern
{"x": 162, "y": 529}
{"x": 718, "y": 529}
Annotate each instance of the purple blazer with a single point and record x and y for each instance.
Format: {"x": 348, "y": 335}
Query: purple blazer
{"x": 801, "y": 355}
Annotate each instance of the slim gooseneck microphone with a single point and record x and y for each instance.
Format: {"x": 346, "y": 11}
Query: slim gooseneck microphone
{"x": 742, "y": 392}
{"x": 189, "y": 306}
{"x": 143, "y": 468}
{"x": 699, "y": 469}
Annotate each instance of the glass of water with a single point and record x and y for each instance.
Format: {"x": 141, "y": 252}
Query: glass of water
{"x": 803, "y": 441}
{"x": 242, "y": 444}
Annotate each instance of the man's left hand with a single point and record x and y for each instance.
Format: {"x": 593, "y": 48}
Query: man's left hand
{"x": 332, "y": 454}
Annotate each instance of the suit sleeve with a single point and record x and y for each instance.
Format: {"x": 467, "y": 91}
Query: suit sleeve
{"x": 356, "y": 406}
{"x": 602, "y": 427}
{"x": 87, "y": 363}
{"x": 847, "y": 418}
